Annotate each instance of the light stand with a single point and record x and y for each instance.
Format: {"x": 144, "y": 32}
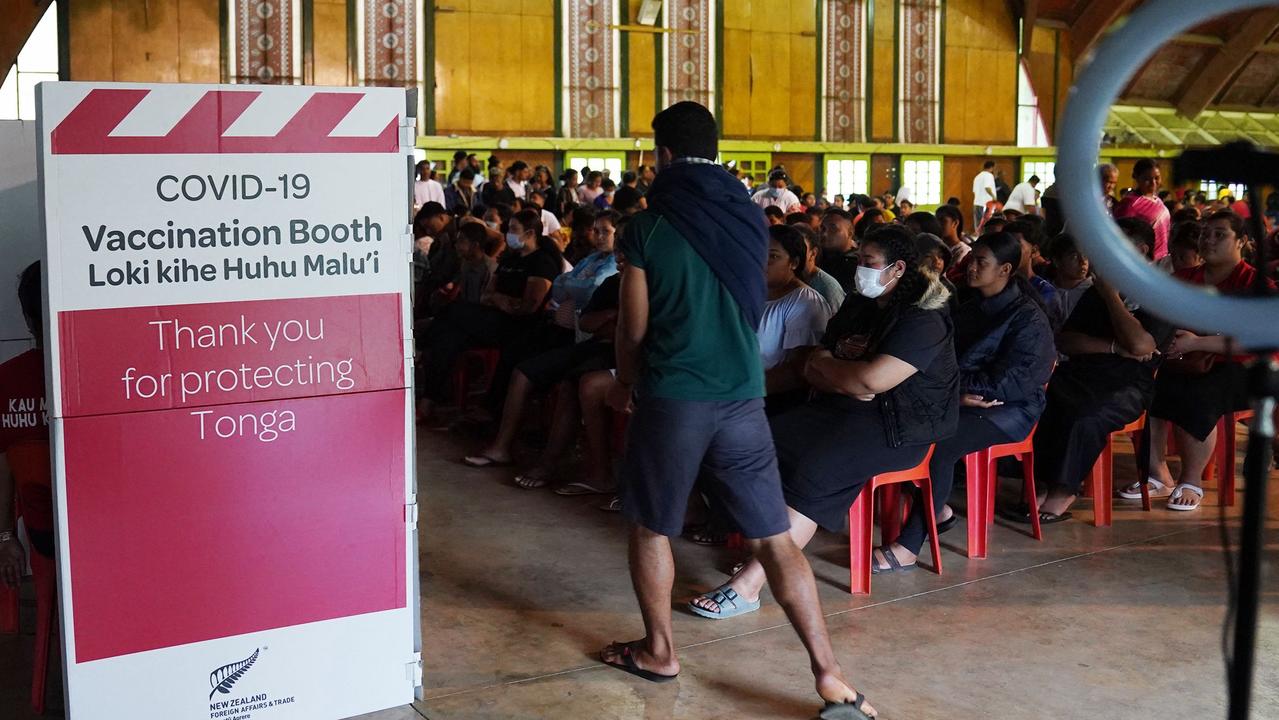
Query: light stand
{"x": 1242, "y": 162}
{"x": 1249, "y": 321}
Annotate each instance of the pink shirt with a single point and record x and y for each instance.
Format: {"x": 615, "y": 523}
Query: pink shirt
{"x": 1153, "y": 211}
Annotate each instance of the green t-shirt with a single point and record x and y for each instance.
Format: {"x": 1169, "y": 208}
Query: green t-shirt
{"x": 698, "y": 345}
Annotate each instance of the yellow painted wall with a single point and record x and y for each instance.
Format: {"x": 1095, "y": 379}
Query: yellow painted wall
{"x": 770, "y": 69}
{"x": 980, "y": 80}
{"x": 330, "y": 43}
{"x": 883, "y": 50}
{"x": 640, "y": 72}
{"x": 141, "y": 41}
{"x": 495, "y": 67}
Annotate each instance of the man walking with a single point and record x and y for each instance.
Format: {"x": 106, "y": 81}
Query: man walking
{"x": 692, "y": 296}
{"x": 983, "y": 192}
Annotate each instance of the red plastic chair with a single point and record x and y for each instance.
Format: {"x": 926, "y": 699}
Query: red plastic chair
{"x": 982, "y": 485}
{"x": 861, "y": 520}
{"x": 488, "y": 357}
{"x": 1101, "y": 480}
{"x": 44, "y": 572}
{"x": 8, "y": 611}
{"x": 9, "y": 603}
{"x": 1227, "y": 447}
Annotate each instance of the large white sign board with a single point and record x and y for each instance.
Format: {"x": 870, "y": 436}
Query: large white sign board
{"x": 229, "y": 373}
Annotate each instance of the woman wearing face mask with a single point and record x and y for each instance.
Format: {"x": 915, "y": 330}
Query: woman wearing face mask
{"x": 495, "y": 216}
{"x": 508, "y": 312}
{"x": 1004, "y": 346}
{"x": 887, "y": 387}
{"x": 1194, "y": 392}
{"x": 569, "y": 360}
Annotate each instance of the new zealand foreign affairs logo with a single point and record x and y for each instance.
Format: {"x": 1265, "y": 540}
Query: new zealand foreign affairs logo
{"x": 226, "y": 676}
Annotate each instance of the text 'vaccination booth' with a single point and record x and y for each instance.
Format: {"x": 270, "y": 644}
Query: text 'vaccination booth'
{"x": 229, "y": 369}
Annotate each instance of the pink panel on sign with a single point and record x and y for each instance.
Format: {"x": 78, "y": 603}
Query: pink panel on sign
{"x": 176, "y": 540}
{"x": 219, "y": 353}
{"x": 86, "y": 130}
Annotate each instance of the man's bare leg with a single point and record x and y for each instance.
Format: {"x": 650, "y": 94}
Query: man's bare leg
{"x": 749, "y": 580}
{"x": 791, "y": 578}
{"x": 653, "y": 576}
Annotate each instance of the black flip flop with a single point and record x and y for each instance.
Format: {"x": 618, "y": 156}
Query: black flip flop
{"x": 628, "y": 664}
{"x": 894, "y": 565}
{"x": 1045, "y": 518}
{"x": 845, "y": 710}
{"x": 948, "y": 523}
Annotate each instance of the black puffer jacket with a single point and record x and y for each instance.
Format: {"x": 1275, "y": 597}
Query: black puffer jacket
{"x": 1006, "y": 352}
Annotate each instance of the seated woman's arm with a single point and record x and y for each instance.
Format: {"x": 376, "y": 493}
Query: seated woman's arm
{"x": 601, "y": 323}
{"x": 1130, "y": 336}
{"x": 535, "y": 290}
{"x": 1131, "y": 340}
{"x": 1077, "y": 343}
{"x": 856, "y": 378}
{"x": 1021, "y": 366}
{"x": 788, "y": 375}
{"x": 1187, "y": 341}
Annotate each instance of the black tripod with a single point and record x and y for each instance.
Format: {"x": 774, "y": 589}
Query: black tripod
{"x": 1243, "y": 162}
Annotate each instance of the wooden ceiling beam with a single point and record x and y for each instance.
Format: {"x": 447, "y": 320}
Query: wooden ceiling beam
{"x": 1226, "y": 62}
{"x": 1029, "y": 13}
{"x": 1092, "y": 22}
{"x": 20, "y": 19}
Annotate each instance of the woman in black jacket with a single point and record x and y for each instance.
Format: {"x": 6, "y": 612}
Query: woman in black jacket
{"x": 1004, "y": 347}
{"x": 887, "y": 388}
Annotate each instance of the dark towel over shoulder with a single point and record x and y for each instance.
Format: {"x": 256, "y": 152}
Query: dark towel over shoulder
{"x": 714, "y": 213}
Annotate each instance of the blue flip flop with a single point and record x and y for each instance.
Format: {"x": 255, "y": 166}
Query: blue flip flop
{"x": 730, "y": 604}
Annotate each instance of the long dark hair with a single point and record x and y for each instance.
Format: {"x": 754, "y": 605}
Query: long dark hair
{"x": 1007, "y": 250}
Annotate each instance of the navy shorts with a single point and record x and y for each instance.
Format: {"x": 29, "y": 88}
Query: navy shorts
{"x": 669, "y": 442}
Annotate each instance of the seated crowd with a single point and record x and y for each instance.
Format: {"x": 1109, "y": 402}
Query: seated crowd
{"x": 887, "y": 330}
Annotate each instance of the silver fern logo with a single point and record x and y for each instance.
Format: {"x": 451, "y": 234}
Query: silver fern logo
{"x": 225, "y": 677}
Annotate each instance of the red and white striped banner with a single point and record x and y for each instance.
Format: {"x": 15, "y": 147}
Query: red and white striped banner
{"x": 126, "y": 121}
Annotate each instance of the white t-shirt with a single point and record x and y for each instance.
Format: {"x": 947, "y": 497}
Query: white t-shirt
{"x": 786, "y": 200}
{"x": 425, "y": 191}
{"x": 586, "y": 195}
{"x": 796, "y": 319}
{"x": 550, "y": 223}
{"x": 1022, "y": 198}
{"x": 984, "y": 180}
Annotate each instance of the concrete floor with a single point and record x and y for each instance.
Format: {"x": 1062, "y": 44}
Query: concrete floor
{"x": 522, "y": 588}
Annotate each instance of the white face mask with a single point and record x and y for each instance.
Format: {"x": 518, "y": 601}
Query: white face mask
{"x": 513, "y": 241}
{"x": 869, "y": 282}
{"x": 492, "y": 225}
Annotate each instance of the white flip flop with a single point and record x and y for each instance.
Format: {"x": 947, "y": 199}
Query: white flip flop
{"x": 1157, "y": 490}
{"x": 1181, "y": 489}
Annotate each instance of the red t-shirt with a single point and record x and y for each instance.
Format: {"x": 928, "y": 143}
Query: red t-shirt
{"x": 24, "y": 436}
{"x": 1238, "y": 282}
